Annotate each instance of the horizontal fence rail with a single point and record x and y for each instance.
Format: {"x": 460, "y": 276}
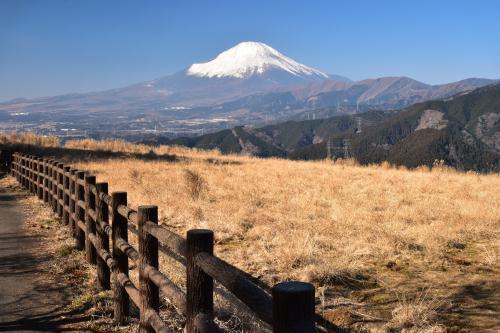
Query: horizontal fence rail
{"x": 100, "y": 223}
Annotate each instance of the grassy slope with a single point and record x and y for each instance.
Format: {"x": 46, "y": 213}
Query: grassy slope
{"x": 384, "y": 238}
{"x": 415, "y": 249}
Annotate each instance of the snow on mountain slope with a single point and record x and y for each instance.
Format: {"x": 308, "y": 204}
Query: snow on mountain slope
{"x": 250, "y": 58}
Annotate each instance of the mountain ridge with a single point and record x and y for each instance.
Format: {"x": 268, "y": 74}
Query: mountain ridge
{"x": 463, "y": 131}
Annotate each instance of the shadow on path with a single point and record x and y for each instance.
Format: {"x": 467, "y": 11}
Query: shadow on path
{"x": 29, "y": 302}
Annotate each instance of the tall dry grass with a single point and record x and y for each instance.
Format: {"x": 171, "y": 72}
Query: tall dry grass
{"x": 366, "y": 233}
{"x": 29, "y": 138}
{"x": 316, "y": 221}
{"x": 118, "y": 145}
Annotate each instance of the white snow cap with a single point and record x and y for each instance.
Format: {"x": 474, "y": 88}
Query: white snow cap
{"x": 249, "y": 58}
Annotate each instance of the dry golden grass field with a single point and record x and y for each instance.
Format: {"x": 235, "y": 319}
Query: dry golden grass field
{"x": 388, "y": 249}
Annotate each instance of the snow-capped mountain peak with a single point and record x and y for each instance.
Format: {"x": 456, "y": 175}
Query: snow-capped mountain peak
{"x": 251, "y": 58}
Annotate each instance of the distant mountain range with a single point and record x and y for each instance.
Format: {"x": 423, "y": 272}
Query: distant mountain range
{"x": 249, "y": 83}
{"x": 463, "y": 131}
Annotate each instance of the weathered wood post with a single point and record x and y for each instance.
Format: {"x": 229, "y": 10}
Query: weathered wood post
{"x": 102, "y": 212}
{"x": 80, "y": 213}
{"x": 13, "y": 166}
{"x": 199, "y": 285}
{"x": 49, "y": 181}
{"x": 66, "y": 194}
{"x": 54, "y": 186}
{"x": 148, "y": 249}
{"x": 23, "y": 184}
{"x": 25, "y": 172}
{"x": 30, "y": 174}
{"x": 90, "y": 251}
{"x": 72, "y": 195}
{"x": 25, "y": 169}
{"x": 21, "y": 169}
{"x": 60, "y": 167}
{"x": 20, "y": 166}
{"x": 40, "y": 178}
{"x": 293, "y": 308}
{"x": 45, "y": 196}
{"x": 13, "y": 169}
{"x": 119, "y": 229}
{"x": 33, "y": 175}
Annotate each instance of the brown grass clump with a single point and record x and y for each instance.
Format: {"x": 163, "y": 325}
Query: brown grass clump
{"x": 195, "y": 183}
{"x": 418, "y": 315}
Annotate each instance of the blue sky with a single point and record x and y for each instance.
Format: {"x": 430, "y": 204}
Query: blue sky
{"x": 55, "y": 47}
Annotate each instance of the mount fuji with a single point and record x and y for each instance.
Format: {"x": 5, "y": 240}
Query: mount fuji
{"x": 245, "y": 69}
{"x": 253, "y": 58}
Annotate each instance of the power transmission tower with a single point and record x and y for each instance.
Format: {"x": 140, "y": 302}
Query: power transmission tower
{"x": 346, "y": 143}
{"x": 329, "y": 148}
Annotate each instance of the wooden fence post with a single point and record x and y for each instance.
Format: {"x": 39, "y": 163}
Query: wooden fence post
{"x": 72, "y": 195}
{"x": 39, "y": 177}
{"x": 30, "y": 174}
{"x": 65, "y": 183}
{"x": 45, "y": 196}
{"x": 148, "y": 249}
{"x": 293, "y": 308}
{"x": 80, "y": 214}
{"x": 25, "y": 172}
{"x": 90, "y": 251}
{"x": 23, "y": 181}
{"x": 33, "y": 175}
{"x": 59, "y": 180}
{"x": 102, "y": 212}
{"x": 49, "y": 181}
{"x": 119, "y": 226}
{"x": 199, "y": 285}
{"x": 54, "y": 186}
{"x": 15, "y": 167}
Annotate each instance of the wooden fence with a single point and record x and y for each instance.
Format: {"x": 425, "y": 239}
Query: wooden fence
{"x": 95, "y": 217}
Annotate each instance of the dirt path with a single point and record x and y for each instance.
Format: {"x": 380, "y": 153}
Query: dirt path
{"x": 28, "y": 302}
